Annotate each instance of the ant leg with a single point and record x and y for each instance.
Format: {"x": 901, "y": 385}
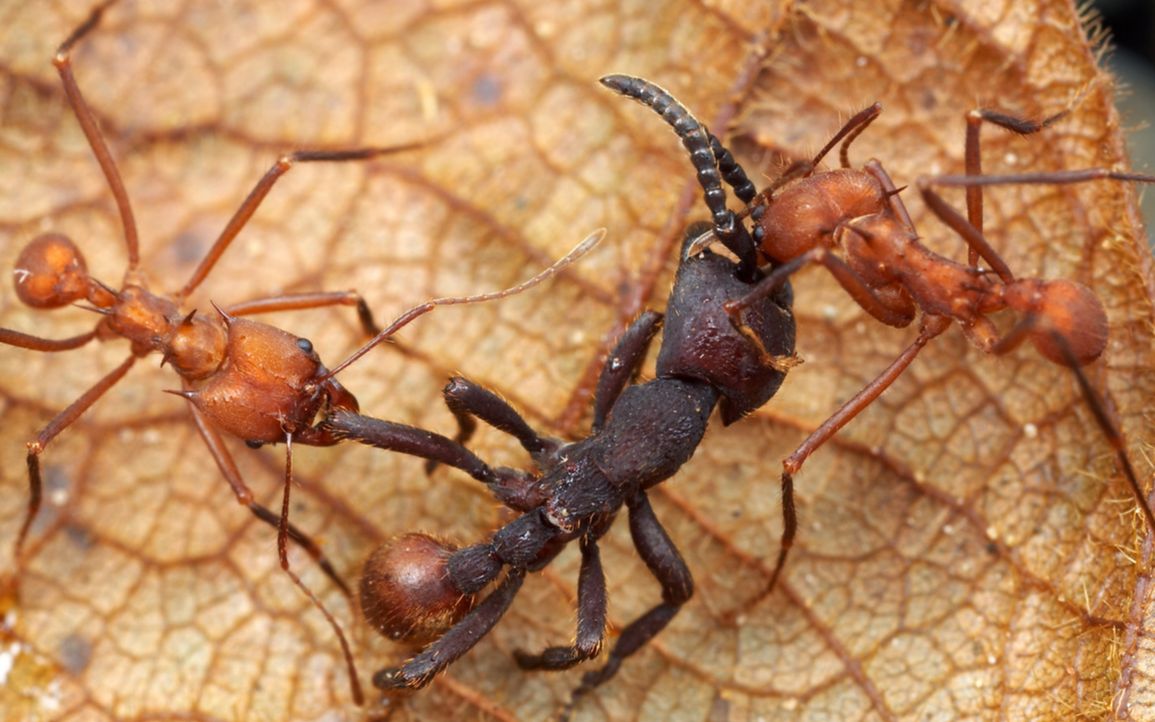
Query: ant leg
{"x": 63, "y": 62}
{"x": 347, "y": 425}
{"x": 461, "y": 637}
{"x": 1094, "y": 401}
{"x": 1107, "y": 425}
{"x": 976, "y": 242}
{"x": 302, "y": 301}
{"x": 696, "y": 140}
{"x": 283, "y": 555}
{"x": 931, "y": 326}
{"x": 665, "y": 563}
{"x": 974, "y": 163}
{"x": 244, "y": 496}
{"x": 35, "y": 343}
{"x": 467, "y": 399}
{"x": 846, "y": 135}
{"x": 262, "y": 188}
{"x": 623, "y": 364}
{"x": 519, "y": 544}
{"x": 897, "y": 311}
{"x": 1061, "y": 177}
{"x": 591, "y": 622}
{"x": 59, "y": 423}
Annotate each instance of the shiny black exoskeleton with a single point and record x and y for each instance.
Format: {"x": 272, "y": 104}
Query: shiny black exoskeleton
{"x": 641, "y": 434}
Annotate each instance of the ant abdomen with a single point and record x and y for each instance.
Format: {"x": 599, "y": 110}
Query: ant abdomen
{"x": 406, "y": 592}
{"x": 50, "y": 272}
{"x": 1065, "y": 309}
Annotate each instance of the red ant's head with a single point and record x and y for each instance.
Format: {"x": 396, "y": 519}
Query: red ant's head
{"x": 50, "y": 272}
{"x": 266, "y": 386}
{"x": 1065, "y": 309}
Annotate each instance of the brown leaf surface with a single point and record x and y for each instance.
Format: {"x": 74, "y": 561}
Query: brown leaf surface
{"x": 967, "y": 549}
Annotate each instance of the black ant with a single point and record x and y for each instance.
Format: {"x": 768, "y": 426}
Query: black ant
{"x": 854, "y": 223}
{"x": 243, "y": 377}
{"x": 420, "y": 589}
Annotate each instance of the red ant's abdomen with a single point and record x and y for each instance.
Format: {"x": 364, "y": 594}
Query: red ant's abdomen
{"x": 807, "y": 210}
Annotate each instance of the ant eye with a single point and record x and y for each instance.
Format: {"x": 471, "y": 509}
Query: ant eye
{"x": 254, "y": 443}
{"x": 305, "y": 345}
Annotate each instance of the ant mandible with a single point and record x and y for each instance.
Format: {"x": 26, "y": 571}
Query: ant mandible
{"x": 246, "y": 378}
{"x": 805, "y": 215}
{"x": 423, "y": 590}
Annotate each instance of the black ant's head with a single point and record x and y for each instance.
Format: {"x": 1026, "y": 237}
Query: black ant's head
{"x": 700, "y": 343}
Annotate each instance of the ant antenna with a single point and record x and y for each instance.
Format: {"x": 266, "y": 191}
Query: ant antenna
{"x": 421, "y": 309}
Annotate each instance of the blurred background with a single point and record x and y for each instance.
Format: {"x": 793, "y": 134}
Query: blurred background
{"x": 1132, "y": 26}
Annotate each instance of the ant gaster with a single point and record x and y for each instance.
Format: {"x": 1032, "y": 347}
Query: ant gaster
{"x": 249, "y": 379}
{"x": 853, "y": 223}
{"x": 418, "y": 588}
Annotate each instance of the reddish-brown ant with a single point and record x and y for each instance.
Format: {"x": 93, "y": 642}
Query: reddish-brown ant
{"x": 854, "y": 223}
{"x": 249, "y": 379}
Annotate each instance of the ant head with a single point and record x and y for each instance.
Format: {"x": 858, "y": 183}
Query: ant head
{"x": 261, "y": 391}
{"x": 700, "y": 343}
{"x": 50, "y": 272}
{"x": 266, "y": 354}
{"x": 405, "y": 590}
{"x": 1065, "y": 309}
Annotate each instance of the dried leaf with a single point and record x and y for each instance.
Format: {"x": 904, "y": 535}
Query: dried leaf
{"x": 967, "y": 548}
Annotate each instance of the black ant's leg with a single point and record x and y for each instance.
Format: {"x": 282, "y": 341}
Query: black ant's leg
{"x": 666, "y": 564}
{"x": 518, "y": 545}
{"x": 467, "y": 399}
{"x": 591, "y": 622}
{"x": 449, "y": 647}
{"x": 342, "y": 425}
{"x": 623, "y": 364}
{"x": 695, "y": 139}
